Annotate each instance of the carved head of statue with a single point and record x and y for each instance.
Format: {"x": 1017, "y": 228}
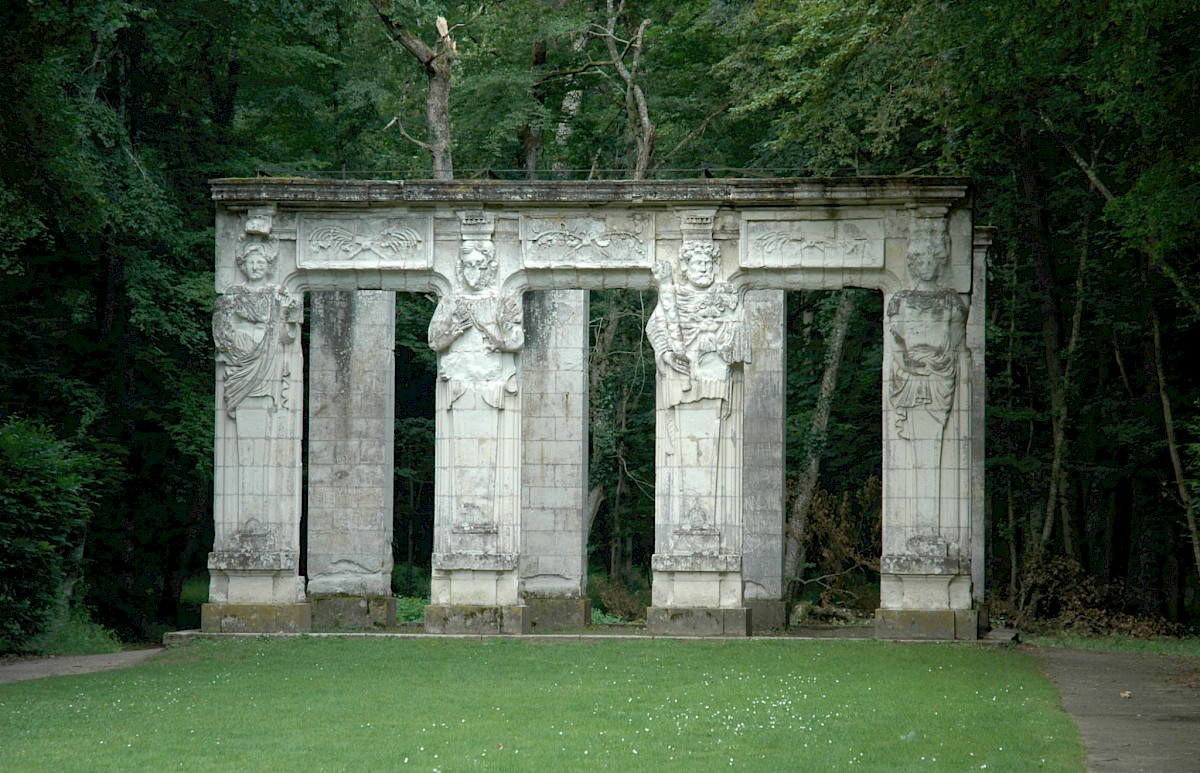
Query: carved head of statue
{"x": 256, "y": 258}
{"x": 928, "y": 253}
{"x": 700, "y": 262}
{"x": 477, "y": 263}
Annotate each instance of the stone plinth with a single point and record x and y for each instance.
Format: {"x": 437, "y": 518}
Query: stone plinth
{"x": 255, "y": 618}
{"x": 352, "y": 612}
{"x": 478, "y": 619}
{"x": 548, "y": 614}
{"x": 703, "y": 621}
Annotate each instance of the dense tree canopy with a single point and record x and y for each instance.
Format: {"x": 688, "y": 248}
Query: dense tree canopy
{"x": 1079, "y": 125}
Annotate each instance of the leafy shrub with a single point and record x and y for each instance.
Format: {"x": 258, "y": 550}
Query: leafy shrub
{"x": 44, "y": 507}
{"x": 74, "y": 634}
{"x": 410, "y": 609}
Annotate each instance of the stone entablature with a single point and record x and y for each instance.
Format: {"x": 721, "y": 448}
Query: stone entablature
{"x": 706, "y": 247}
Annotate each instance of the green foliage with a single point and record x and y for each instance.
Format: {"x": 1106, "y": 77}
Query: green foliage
{"x": 74, "y": 634}
{"x": 411, "y": 609}
{"x": 410, "y": 581}
{"x": 45, "y": 503}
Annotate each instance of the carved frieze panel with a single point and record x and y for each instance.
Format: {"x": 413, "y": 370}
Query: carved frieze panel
{"x": 769, "y": 241}
{"x": 351, "y": 241}
{"x": 569, "y": 240}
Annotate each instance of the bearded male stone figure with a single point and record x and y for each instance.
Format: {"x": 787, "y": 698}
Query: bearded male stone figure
{"x": 700, "y": 341}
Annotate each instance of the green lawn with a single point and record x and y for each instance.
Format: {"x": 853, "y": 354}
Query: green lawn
{"x": 460, "y": 705}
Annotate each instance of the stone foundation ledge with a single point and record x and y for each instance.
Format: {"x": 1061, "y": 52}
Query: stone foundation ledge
{"x": 927, "y": 624}
{"x": 256, "y": 618}
{"x": 352, "y": 613}
{"x": 767, "y": 615}
{"x": 558, "y": 614}
{"x": 698, "y": 621}
{"x": 478, "y": 619}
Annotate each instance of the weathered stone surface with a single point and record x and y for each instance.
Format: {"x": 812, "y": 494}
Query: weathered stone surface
{"x": 558, "y": 614}
{"x": 940, "y": 624}
{"x": 554, "y": 471}
{"x": 767, "y": 615}
{"x": 698, "y": 621}
{"x": 478, "y": 619}
{"x": 256, "y": 618}
{"x": 352, "y": 613}
{"x": 351, "y": 409}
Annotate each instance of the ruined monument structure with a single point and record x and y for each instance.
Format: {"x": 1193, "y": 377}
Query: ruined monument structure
{"x": 511, "y": 264}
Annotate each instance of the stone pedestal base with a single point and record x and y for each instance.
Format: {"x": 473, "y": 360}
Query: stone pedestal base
{"x": 557, "y": 614}
{"x": 353, "y": 613}
{"x": 929, "y": 624}
{"x": 767, "y": 615}
{"x": 925, "y": 591}
{"x": 478, "y": 619}
{"x": 698, "y": 621}
{"x": 256, "y": 618}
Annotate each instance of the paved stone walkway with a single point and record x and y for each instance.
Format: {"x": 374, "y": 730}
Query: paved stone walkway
{"x": 1136, "y": 711}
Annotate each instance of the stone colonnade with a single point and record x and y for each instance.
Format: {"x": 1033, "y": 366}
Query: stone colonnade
{"x": 511, "y": 264}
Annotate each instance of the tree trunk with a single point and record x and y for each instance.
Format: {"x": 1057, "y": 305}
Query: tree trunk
{"x": 438, "y": 63}
{"x": 1181, "y": 482}
{"x": 636, "y": 108}
{"x": 1044, "y": 282}
{"x": 797, "y": 522}
{"x": 1056, "y": 497}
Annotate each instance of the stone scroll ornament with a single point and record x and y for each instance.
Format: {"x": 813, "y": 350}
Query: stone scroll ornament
{"x": 253, "y": 325}
{"x": 700, "y": 340}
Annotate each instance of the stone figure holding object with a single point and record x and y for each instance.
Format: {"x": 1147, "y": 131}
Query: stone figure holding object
{"x": 700, "y": 340}
{"x": 927, "y": 325}
{"x": 253, "y": 324}
{"x": 927, "y": 384}
{"x": 477, "y": 331}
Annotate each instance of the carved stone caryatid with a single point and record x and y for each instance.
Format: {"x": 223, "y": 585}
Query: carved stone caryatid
{"x": 256, "y": 326}
{"x": 253, "y": 324}
{"x": 701, "y": 342}
{"x": 477, "y": 332}
{"x": 926, "y": 379}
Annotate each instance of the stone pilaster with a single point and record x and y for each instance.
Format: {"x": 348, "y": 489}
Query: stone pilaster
{"x": 763, "y": 460}
{"x": 554, "y": 395}
{"x": 352, "y": 406}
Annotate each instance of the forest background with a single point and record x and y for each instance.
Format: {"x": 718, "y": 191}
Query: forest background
{"x": 1079, "y": 123}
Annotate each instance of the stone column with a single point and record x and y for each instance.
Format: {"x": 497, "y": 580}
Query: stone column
{"x": 763, "y": 460}
{"x": 255, "y": 584}
{"x": 976, "y": 345}
{"x": 554, "y": 400}
{"x": 701, "y": 345}
{"x": 478, "y": 332}
{"x": 925, "y": 570}
{"x": 351, "y": 409}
